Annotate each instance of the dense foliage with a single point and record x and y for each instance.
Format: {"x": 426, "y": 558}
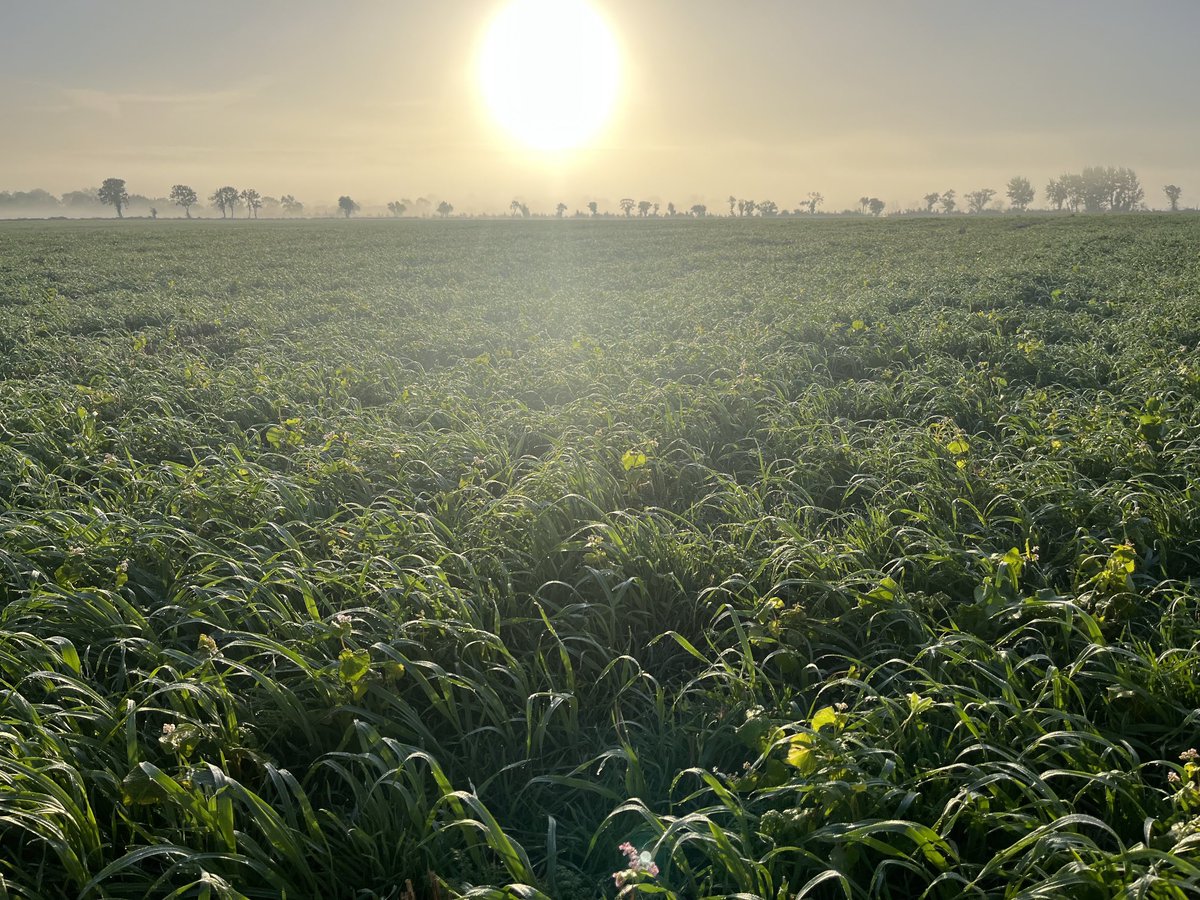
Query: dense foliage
{"x": 757, "y": 558}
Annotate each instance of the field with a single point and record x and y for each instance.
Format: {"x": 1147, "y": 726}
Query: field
{"x": 824, "y": 559}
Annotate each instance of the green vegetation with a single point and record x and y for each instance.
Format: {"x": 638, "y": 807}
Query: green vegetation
{"x": 823, "y": 559}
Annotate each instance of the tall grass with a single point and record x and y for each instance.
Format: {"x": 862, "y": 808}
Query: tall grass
{"x": 811, "y": 559}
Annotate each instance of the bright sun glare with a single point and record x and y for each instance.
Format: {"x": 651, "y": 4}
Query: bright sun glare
{"x": 549, "y": 72}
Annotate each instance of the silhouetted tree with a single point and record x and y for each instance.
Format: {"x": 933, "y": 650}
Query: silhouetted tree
{"x": 560, "y": 209}
{"x": 1173, "y": 193}
{"x": 1020, "y": 193}
{"x": 347, "y": 206}
{"x": 182, "y": 195}
{"x": 1076, "y": 190}
{"x": 515, "y": 207}
{"x": 655, "y": 211}
{"x": 225, "y": 198}
{"x": 732, "y": 203}
{"x": 670, "y": 209}
{"x": 699, "y": 210}
{"x": 948, "y": 202}
{"x": 643, "y": 207}
{"x": 931, "y": 200}
{"x": 746, "y": 207}
{"x": 627, "y": 204}
{"x": 768, "y": 208}
{"x": 396, "y": 208}
{"x": 876, "y": 206}
{"x": 814, "y": 200}
{"x": 112, "y": 193}
{"x": 154, "y": 212}
{"x": 977, "y": 201}
{"x": 1056, "y": 193}
{"x": 444, "y": 209}
{"x": 593, "y": 208}
{"x": 253, "y": 201}
{"x": 1108, "y": 189}
{"x": 291, "y": 205}
{"x": 863, "y": 203}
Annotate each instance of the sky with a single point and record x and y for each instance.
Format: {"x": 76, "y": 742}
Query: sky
{"x": 767, "y": 99}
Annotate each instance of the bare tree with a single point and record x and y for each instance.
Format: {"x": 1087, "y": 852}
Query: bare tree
{"x": 814, "y": 200}
{"x": 1173, "y": 193}
{"x": 182, "y": 195}
{"x": 112, "y": 193}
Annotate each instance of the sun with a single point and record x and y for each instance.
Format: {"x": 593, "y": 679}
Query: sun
{"x": 549, "y": 72}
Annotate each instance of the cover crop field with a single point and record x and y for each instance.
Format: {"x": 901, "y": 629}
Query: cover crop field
{"x": 809, "y": 558}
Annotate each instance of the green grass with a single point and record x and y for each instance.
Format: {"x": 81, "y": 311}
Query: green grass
{"x": 818, "y": 559}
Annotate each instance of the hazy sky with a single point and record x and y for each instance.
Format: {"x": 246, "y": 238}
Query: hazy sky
{"x": 761, "y": 98}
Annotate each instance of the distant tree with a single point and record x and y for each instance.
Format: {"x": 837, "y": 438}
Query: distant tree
{"x": 876, "y": 206}
{"x": 396, "y": 208}
{"x": 1113, "y": 189}
{"x": 291, "y": 205}
{"x": 814, "y": 200}
{"x": 670, "y": 209}
{"x": 699, "y": 210}
{"x": 253, "y": 201}
{"x": 1076, "y": 191}
{"x": 1056, "y": 193}
{"x": 627, "y": 204}
{"x": 732, "y": 203}
{"x": 593, "y": 208}
{"x": 768, "y": 208}
{"x": 643, "y": 207}
{"x": 746, "y": 207}
{"x": 655, "y": 212}
{"x": 154, "y": 212}
{"x": 112, "y": 193}
{"x": 977, "y": 201}
{"x": 347, "y": 206}
{"x": 225, "y": 199}
{"x": 515, "y": 207}
{"x": 948, "y": 202}
{"x": 1020, "y": 193}
{"x": 931, "y": 200}
{"x": 863, "y": 203}
{"x": 182, "y": 195}
{"x": 1173, "y": 193}
{"x": 560, "y": 209}
{"x": 444, "y": 209}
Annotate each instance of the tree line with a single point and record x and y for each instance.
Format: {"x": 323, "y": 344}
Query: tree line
{"x": 1095, "y": 189}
